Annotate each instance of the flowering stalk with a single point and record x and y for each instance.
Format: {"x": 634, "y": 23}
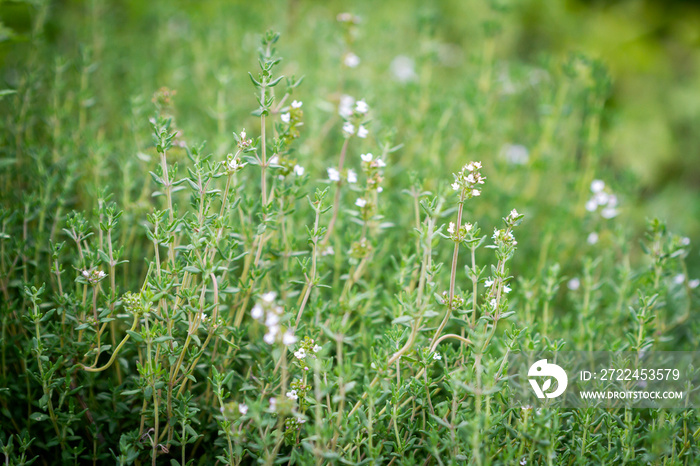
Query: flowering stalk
{"x": 466, "y": 182}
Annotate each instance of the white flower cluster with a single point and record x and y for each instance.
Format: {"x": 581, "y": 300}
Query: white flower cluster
{"x": 335, "y": 175}
{"x": 94, "y": 276}
{"x": 468, "y": 180}
{"x": 234, "y": 164}
{"x": 354, "y": 113}
{"x": 243, "y": 141}
{"x": 602, "y": 198}
{"x": 458, "y": 234}
{"x": 489, "y": 283}
{"x": 269, "y": 313}
{"x": 680, "y": 279}
{"x": 503, "y": 237}
{"x": 307, "y": 349}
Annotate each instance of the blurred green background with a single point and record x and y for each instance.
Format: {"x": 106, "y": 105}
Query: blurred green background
{"x": 606, "y": 90}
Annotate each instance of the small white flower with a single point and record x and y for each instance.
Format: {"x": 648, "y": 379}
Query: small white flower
{"x": 592, "y": 238}
{"x": 351, "y": 60}
{"x": 437, "y": 356}
{"x": 300, "y": 353}
{"x": 489, "y": 283}
{"x": 523, "y": 461}
{"x": 329, "y": 251}
{"x": 679, "y": 279}
{"x": 366, "y": 157}
{"x": 694, "y": 283}
{"x": 455, "y": 186}
{"x": 352, "y": 176}
{"x": 506, "y": 289}
{"x": 574, "y": 284}
{"x": 597, "y": 186}
{"x": 601, "y": 198}
{"x": 380, "y": 163}
{"x": 298, "y": 170}
{"x": 297, "y": 104}
{"x": 86, "y": 273}
{"x": 242, "y": 408}
{"x": 609, "y": 212}
{"x": 349, "y": 128}
{"x": 402, "y": 67}
{"x": 362, "y": 132}
{"x": 288, "y": 338}
{"x": 269, "y": 296}
{"x": 361, "y": 107}
{"x": 273, "y": 404}
{"x": 514, "y": 213}
{"x": 515, "y": 154}
{"x": 346, "y": 105}
{"x": 380, "y": 189}
{"x": 269, "y": 338}
{"x": 451, "y": 228}
{"x": 272, "y": 319}
{"x": 591, "y": 205}
{"x": 360, "y": 202}
{"x": 333, "y": 174}
{"x": 493, "y": 303}
{"x": 476, "y": 192}
{"x": 257, "y": 312}
{"x": 285, "y": 117}
{"x": 292, "y": 395}
{"x": 101, "y": 274}
{"x": 243, "y": 134}
{"x": 685, "y": 241}
{"x": 204, "y": 317}
{"x": 316, "y": 348}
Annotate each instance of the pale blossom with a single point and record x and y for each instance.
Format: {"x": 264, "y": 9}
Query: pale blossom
{"x": 285, "y": 117}
{"x": 292, "y": 395}
{"x": 316, "y": 348}
{"x": 300, "y": 353}
{"x": 574, "y": 284}
{"x": 298, "y": 170}
{"x": 451, "y": 228}
{"x": 352, "y": 176}
{"x": 346, "y": 105}
{"x": 402, "y": 68}
{"x": 288, "y": 338}
{"x": 242, "y": 408}
{"x": 333, "y": 174}
{"x": 361, "y": 107}
{"x": 351, "y": 60}
{"x": 597, "y": 186}
{"x": 366, "y": 157}
{"x": 348, "y": 128}
{"x": 360, "y": 202}
{"x": 297, "y": 104}
{"x": 437, "y": 356}
{"x": 592, "y": 238}
{"x": 257, "y": 312}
